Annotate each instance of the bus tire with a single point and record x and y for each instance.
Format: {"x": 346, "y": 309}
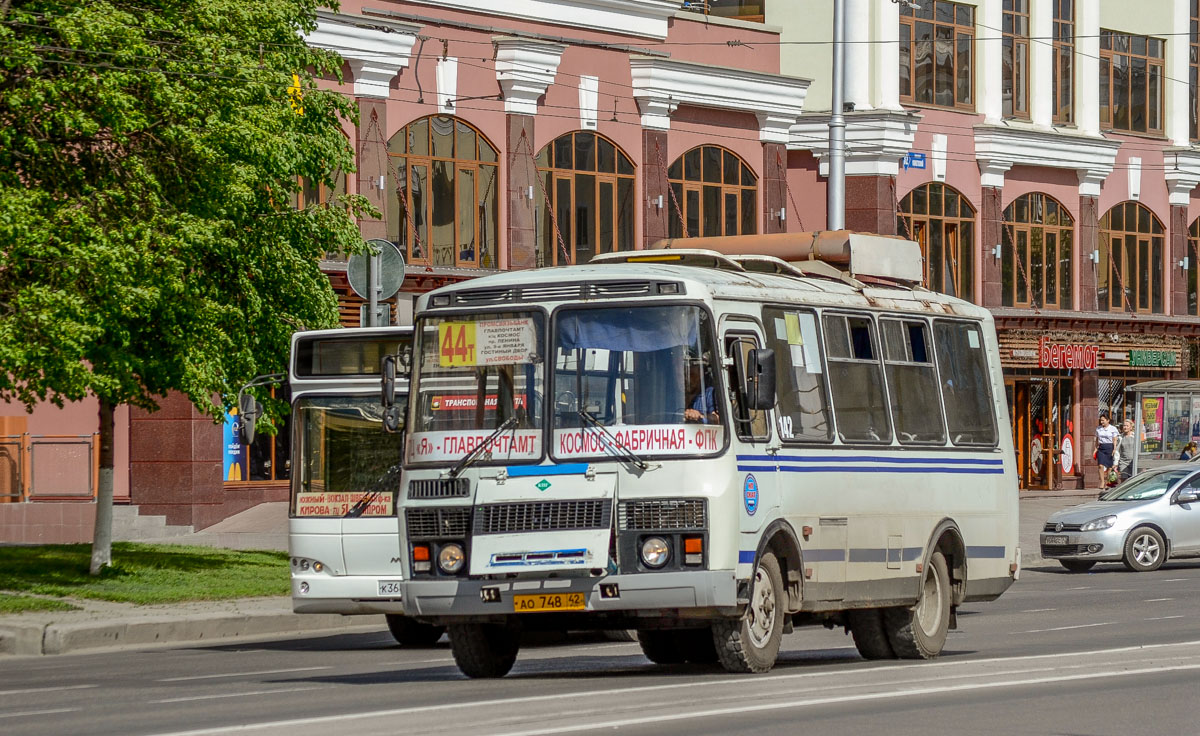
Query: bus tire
{"x": 410, "y": 633}
{"x": 698, "y": 646}
{"x": 662, "y": 646}
{"x": 484, "y": 650}
{"x": 870, "y": 636}
{"x": 919, "y": 631}
{"x": 751, "y": 643}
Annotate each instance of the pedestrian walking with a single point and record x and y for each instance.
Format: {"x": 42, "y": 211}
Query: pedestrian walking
{"x": 1106, "y": 442}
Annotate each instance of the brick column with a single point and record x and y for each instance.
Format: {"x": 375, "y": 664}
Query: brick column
{"x": 655, "y": 219}
{"x": 991, "y": 222}
{"x": 871, "y": 204}
{"x": 522, "y": 174}
{"x": 372, "y": 163}
{"x": 774, "y": 187}
{"x": 175, "y": 462}
{"x": 1177, "y": 231}
{"x": 1088, "y": 239}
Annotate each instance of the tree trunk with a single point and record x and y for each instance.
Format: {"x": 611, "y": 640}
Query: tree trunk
{"x": 102, "y": 536}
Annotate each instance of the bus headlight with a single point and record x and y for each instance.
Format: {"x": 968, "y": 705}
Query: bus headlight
{"x": 655, "y": 552}
{"x": 451, "y": 558}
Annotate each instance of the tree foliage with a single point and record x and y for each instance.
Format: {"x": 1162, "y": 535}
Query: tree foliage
{"x": 150, "y": 153}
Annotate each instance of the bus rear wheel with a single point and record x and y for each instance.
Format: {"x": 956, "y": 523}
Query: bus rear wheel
{"x": 751, "y": 643}
{"x": 919, "y": 632}
{"x": 870, "y": 636}
{"x": 484, "y": 650}
{"x": 410, "y": 633}
{"x": 662, "y": 646}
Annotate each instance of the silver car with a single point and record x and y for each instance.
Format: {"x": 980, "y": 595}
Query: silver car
{"x": 1142, "y": 522}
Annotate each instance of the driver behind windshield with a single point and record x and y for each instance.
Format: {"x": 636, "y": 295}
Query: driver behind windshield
{"x": 701, "y": 398}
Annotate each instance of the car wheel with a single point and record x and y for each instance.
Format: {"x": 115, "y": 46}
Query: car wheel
{"x": 920, "y": 632}
{"x": 1144, "y": 550}
{"x": 1077, "y": 565}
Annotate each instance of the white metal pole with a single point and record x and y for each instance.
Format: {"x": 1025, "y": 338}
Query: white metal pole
{"x": 836, "y": 202}
{"x": 374, "y": 290}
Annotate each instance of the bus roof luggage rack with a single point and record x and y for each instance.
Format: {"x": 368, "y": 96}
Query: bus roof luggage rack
{"x": 802, "y": 269}
{"x": 861, "y": 254}
{"x": 689, "y": 256}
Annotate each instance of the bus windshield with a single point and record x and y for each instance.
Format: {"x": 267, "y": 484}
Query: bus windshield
{"x": 647, "y": 372}
{"x": 476, "y": 373}
{"x": 344, "y": 455}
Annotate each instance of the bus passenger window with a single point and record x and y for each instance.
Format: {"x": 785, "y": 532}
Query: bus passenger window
{"x": 912, "y": 382}
{"x": 962, "y": 363}
{"x": 803, "y": 407}
{"x": 856, "y": 379}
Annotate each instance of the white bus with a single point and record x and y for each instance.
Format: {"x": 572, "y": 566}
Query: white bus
{"x": 709, "y": 446}
{"x": 343, "y": 538}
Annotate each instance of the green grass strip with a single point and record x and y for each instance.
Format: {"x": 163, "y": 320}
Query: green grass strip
{"x": 26, "y": 603}
{"x": 144, "y": 573}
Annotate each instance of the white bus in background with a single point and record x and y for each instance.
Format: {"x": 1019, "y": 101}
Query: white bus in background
{"x": 343, "y": 538}
{"x": 710, "y": 446}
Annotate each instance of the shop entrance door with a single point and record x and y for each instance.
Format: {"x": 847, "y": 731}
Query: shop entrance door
{"x": 1035, "y": 431}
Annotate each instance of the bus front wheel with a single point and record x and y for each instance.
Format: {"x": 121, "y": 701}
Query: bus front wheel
{"x": 410, "y": 633}
{"x": 751, "y": 643}
{"x": 484, "y": 650}
{"x": 919, "y": 632}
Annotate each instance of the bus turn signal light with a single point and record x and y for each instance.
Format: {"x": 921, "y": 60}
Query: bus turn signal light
{"x": 693, "y": 550}
{"x": 421, "y": 561}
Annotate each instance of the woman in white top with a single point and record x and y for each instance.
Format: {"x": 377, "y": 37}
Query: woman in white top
{"x": 1106, "y": 438}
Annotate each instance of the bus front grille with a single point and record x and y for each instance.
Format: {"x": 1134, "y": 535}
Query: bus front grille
{"x": 440, "y": 488}
{"x": 543, "y": 516}
{"x": 664, "y": 514}
{"x": 452, "y": 522}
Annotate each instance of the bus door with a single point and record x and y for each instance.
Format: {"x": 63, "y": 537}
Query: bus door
{"x": 751, "y": 435}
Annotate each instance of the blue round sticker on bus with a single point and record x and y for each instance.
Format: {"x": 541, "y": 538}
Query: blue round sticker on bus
{"x": 750, "y": 494}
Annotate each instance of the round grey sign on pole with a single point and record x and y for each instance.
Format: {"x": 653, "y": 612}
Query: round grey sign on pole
{"x": 391, "y": 270}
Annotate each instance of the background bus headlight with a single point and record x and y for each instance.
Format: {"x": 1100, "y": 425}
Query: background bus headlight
{"x": 451, "y": 558}
{"x": 655, "y": 552}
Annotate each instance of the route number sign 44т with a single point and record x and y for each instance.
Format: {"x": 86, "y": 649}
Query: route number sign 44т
{"x": 490, "y": 342}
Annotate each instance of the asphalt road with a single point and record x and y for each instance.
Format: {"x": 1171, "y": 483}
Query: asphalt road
{"x": 1110, "y": 652}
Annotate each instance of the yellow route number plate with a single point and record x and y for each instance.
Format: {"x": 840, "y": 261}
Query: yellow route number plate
{"x": 548, "y": 602}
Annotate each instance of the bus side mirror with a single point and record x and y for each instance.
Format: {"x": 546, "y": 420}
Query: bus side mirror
{"x": 387, "y": 371}
{"x": 758, "y": 379}
{"x": 249, "y": 410}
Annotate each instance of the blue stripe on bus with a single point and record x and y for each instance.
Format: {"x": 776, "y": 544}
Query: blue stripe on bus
{"x": 986, "y": 552}
{"x": 518, "y": 471}
{"x": 746, "y": 555}
{"x": 869, "y": 458}
{"x": 866, "y": 469}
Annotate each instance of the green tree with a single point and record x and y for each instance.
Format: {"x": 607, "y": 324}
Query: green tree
{"x": 150, "y": 152}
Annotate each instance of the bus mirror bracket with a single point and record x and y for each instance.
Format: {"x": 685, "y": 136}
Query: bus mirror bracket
{"x": 387, "y": 371}
{"x": 758, "y": 379}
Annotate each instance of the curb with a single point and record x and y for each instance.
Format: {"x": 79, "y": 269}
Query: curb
{"x": 62, "y": 638}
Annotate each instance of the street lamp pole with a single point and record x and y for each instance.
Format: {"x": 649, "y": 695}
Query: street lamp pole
{"x": 836, "y": 202}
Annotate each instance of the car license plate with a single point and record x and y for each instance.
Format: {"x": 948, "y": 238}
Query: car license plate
{"x": 1055, "y": 540}
{"x": 390, "y": 588}
{"x": 548, "y": 602}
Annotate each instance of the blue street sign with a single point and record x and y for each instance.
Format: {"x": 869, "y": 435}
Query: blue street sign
{"x": 914, "y": 160}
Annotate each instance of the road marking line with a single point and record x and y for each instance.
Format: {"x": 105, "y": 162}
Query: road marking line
{"x": 1163, "y": 618}
{"x": 46, "y": 689}
{"x": 1176, "y": 580}
{"x": 1081, "y": 587}
{"x": 234, "y": 695}
{"x": 1065, "y": 628}
{"x": 1157, "y": 600}
{"x": 242, "y": 674}
{"x": 342, "y": 718}
{"x": 38, "y": 712}
{"x": 834, "y": 700}
{"x": 1039, "y": 610}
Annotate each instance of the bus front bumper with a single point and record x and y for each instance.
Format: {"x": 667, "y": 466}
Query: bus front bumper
{"x": 701, "y": 593}
{"x": 347, "y": 594}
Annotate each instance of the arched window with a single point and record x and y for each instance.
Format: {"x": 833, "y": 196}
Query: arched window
{"x": 444, "y": 184}
{"x": 943, "y": 222}
{"x": 589, "y": 181}
{"x": 1129, "y": 276}
{"x": 716, "y": 193}
{"x": 1193, "y": 261}
{"x": 1036, "y": 255}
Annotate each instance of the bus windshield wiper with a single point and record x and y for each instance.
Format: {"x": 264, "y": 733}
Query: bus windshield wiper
{"x": 389, "y": 476}
{"x": 471, "y": 456}
{"x": 617, "y": 447}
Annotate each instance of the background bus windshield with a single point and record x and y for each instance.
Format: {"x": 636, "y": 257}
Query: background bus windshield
{"x": 648, "y": 373}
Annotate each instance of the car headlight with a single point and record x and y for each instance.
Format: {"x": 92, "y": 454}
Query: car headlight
{"x": 451, "y": 558}
{"x": 655, "y": 552}
{"x": 1096, "y": 525}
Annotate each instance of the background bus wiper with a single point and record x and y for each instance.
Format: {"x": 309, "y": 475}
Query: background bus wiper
{"x": 629, "y": 454}
{"x": 380, "y": 485}
{"x": 470, "y": 457}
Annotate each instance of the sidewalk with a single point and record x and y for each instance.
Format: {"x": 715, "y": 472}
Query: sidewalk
{"x": 101, "y": 625}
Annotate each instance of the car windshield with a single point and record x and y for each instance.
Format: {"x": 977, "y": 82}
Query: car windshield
{"x": 476, "y": 373}
{"x": 1147, "y": 486}
{"x": 343, "y": 454}
{"x": 650, "y": 373}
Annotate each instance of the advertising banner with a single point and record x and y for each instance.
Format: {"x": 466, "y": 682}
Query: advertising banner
{"x": 1152, "y": 428}
{"x": 234, "y": 457}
